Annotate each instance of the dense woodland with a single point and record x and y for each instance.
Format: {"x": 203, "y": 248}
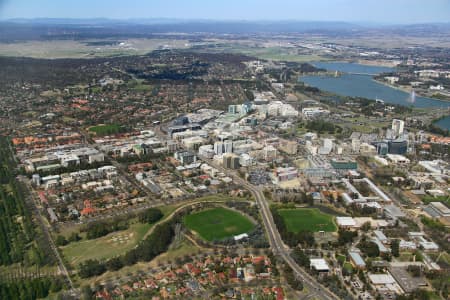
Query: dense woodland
{"x": 16, "y": 228}
{"x": 62, "y": 73}
{"x": 30, "y": 289}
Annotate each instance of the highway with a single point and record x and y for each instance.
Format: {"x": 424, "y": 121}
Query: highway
{"x": 276, "y": 243}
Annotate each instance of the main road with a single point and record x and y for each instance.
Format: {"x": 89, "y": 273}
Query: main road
{"x": 276, "y": 243}
{"x": 34, "y": 200}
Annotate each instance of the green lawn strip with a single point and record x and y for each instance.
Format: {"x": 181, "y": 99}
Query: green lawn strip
{"x": 105, "y": 129}
{"x": 218, "y": 223}
{"x": 310, "y": 219}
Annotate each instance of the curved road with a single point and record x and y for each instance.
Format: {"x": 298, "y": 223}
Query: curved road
{"x": 276, "y": 243}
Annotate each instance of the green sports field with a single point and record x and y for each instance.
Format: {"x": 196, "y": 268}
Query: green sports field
{"x": 310, "y": 219}
{"x": 218, "y": 223}
{"x": 106, "y": 129}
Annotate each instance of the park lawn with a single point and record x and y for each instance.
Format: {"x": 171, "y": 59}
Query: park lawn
{"x": 348, "y": 267}
{"x": 310, "y": 219}
{"x": 218, "y": 223}
{"x": 105, "y": 247}
{"x": 405, "y": 256}
{"x": 142, "y": 87}
{"x": 341, "y": 259}
{"x": 186, "y": 248}
{"x": 105, "y": 129}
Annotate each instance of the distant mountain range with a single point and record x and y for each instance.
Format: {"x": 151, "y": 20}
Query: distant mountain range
{"x": 32, "y": 29}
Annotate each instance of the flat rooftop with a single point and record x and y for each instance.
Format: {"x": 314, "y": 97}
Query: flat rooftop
{"x": 406, "y": 281}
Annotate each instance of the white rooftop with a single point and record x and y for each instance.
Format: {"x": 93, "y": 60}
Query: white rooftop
{"x": 379, "y": 279}
{"x": 345, "y": 221}
{"x": 240, "y": 236}
{"x": 319, "y": 264}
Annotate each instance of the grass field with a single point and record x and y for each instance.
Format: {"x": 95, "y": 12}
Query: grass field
{"x": 105, "y": 247}
{"x": 218, "y": 223}
{"x": 105, "y": 129}
{"x": 275, "y": 53}
{"x": 82, "y": 49}
{"x": 307, "y": 219}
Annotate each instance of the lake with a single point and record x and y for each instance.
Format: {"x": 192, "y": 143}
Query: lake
{"x": 352, "y": 83}
{"x": 443, "y": 123}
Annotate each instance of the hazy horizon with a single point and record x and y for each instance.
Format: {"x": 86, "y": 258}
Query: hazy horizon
{"x": 352, "y": 11}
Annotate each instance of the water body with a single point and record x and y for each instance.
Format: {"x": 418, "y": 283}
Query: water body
{"x": 443, "y": 123}
{"x": 353, "y": 83}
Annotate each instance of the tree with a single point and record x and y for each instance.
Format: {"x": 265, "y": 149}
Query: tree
{"x": 292, "y": 280}
{"x": 56, "y": 285}
{"x": 74, "y": 237}
{"x": 91, "y": 268}
{"x": 150, "y": 215}
{"x": 415, "y": 271}
{"x": 259, "y": 267}
{"x": 365, "y": 227}
{"x": 114, "y": 264}
{"x": 346, "y": 236}
{"x": 369, "y": 248}
{"x": 61, "y": 240}
{"x": 395, "y": 247}
{"x": 86, "y": 293}
{"x": 300, "y": 257}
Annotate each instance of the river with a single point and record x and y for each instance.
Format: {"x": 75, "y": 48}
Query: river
{"x": 357, "y": 81}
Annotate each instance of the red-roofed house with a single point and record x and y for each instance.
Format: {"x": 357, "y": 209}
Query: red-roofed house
{"x": 278, "y": 292}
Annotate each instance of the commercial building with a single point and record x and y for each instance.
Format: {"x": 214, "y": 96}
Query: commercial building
{"x": 283, "y": 174}
{"x": 180, "y": 128}
{"x": 398, "y": 159}
{"x": 356, "y": 260}
{"x": 246, "y": 160}
{"x": 218, "y": 148}
{"x": 385, "y": 283}
{"x": 319, "y": 264}
{"x": 345, "y": 222}
{"x": 341, "y": 164}
{"x": 314, "y": 112}
{"x": 228, "y": 147}
{"x": 397, "y": 127}
{"x": 231, "y": 161}
{"x": 193, "y": 143}
{"x": 382, "y": 148}
{"x": 407, "y": 282}
{"x": 399, "y": 146}
{"x": 206, "y": 151}
{"x": 437, "y": 210}
{"x": 185, "y": 157}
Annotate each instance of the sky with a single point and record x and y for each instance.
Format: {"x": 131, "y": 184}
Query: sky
{"x": 371, "y": 11}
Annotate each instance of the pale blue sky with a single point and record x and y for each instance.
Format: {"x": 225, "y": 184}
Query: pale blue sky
{"x": 379, "y": 11}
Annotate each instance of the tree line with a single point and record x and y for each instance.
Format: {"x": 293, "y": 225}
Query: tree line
{"x": 16, "y": 227}
{"x": 322, "y": 126}
{"x": 98, "y": 229}
{"x": 30, "y": 289}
